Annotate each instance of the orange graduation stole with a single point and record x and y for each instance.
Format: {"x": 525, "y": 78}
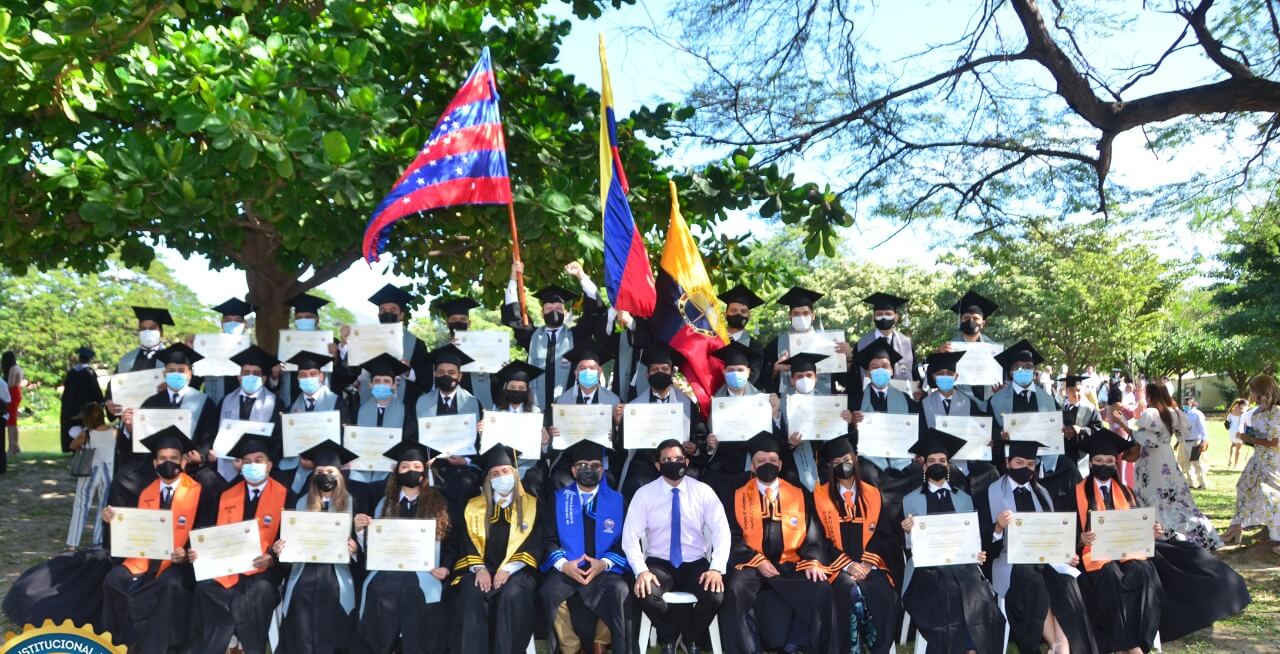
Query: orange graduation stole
{"x": 186, "y": 499}
{"x": 752, "y": 509}
{"x": 270, "y": 504}
{"x": 867, "y": 512}
{"x": 1121, "y": 501}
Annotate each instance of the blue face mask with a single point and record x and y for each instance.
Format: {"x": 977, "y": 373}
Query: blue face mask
{"x": 251, "y": 384}
{"x": 381, "y": 392}
{"x": 588, "y": 378}
{"x": 254, "y": 473}
{"x": 309, "y": 385}
{"x": 231, "y": 327}
{"x": 736, "y": 379}
{"x": 880, "y": 377}
{"x": 305, "y": 324}
{"x": 176, "y": 381}
{"x": 1023, "y": 377}
{"x": 944, "y": 383}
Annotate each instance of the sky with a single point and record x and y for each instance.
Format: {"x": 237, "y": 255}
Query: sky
{"x": 646, "y": 71}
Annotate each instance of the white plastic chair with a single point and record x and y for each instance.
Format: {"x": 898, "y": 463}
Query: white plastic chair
{"x": 648, "y": 634}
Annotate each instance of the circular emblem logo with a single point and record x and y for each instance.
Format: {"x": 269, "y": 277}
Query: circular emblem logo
{"x": 65, "y": 637}
{"x": 182, "y": 519}
{"x": 266, "y": 519}
{"x": 794, "y": 521}
{"x": 693, "y": 310}
{"x": 608, "y": 525}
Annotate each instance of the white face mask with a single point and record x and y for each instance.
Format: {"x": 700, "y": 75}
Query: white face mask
{"x": 149, "y": 337}
{"x": 503, "y": 485}
{"x": 805, "y": 385}
{"x": 801, "y": 323}
{"x": 233, "y": 328}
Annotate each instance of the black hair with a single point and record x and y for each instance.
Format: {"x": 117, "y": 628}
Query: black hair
{"x": 668, "y": 444}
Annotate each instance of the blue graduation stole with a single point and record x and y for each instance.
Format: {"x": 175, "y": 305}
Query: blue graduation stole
{"x": 606, "y": 510}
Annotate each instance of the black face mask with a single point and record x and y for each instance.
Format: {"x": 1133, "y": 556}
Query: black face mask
{"x": 587, "y": 477}
{"x": 388, "y": 317}
{"x": 1021, "y": 475}
{"x": 736, "y": 321}
{"x": 674, "y": 470}
{"x": 516, "y": 397}
{"x": 970, "y": 327}
{"x": 553, "y": 319}
{"x": 660, "y": 380}
{"x": 767, "y": 472}
{"x": 885, "y": 324}
{"x": 458, "y": 325}
{"x": 936, "y": 472}
{"x": 326, "y": 483}
{"x": 445, "y": 382}
{"x": 843, "y": 470}
{"x": 1102, "y": 473}
{"x": 410, "y": 479}
{"x": 168, "y": 469}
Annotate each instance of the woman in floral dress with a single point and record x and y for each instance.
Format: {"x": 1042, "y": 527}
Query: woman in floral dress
{"x": 1158, "y": 481}
{"x": 1258, "y": 489}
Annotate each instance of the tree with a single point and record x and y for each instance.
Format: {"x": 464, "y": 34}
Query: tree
{"x": 263, "y": 137}
{"x": 1248, "y": 291}
{"x": 1021, "y": 108}
{"x": 1187, "y": 341}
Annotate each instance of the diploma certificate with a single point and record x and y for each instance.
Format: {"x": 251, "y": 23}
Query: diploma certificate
{"x": 230, "y": 431}
{"x": 142, "y": 533}
{"x": 225, "y": 549}
{"x": 1043, "y": 426}
{"x": 646, "y": 425}
{"x": 131, "y": 389}
{"x": 1123, "y": 534}
{"x": 315, "y": 537}
{"x": 974, "y": 429}
{"x": 521, "y": 432}
{"x": 978, "y": 366}
{"x": 401, "y": 545}
{"x": 449, "y": 435}
{"x": 582, "y": 422}
{"x": 368, "y": 444}
{"x": 302, "y": 431}
{"x": 293, "y": 341}
{"x": 368, "y": 341}
{"x": 1041, "y": 538}
{"x": 945, "y": 539}
{"x": 887, "y": 434}
{"x": 820, "y": 342}
{"x": 817, "y": 417}
{"x": 217, "y": 350}
{"x": 490, "y": 349}
{"x": 149, "y": 421}
{"x": 738, "y": 418}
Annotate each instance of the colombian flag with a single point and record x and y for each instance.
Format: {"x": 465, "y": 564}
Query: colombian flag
{"x": 627, "y": 273}
{"x": 687, "y": 316}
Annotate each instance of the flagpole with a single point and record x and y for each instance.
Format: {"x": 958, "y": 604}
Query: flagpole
{"x": 515, "y": 250}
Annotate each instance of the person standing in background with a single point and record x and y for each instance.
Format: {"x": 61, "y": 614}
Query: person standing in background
{"x": 1194, "y": 443}
{"x": 1258, "y": 489}
{"x": 1235, "y": 427}
{"x": 79, "y": 387}
{"x": 15, "y": 379}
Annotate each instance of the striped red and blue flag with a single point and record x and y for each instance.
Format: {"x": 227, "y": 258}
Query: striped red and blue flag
{"x": 463, "y": 162}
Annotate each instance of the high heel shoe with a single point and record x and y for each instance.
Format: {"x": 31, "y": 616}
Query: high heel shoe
{"x": 1234, "y": 535}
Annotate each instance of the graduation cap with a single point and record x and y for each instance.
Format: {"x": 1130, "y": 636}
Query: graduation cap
{"x": 660, "y": 353}
{"x": 884, "y": 301}
{"x": 310, "y": 360}
{"x": 329, "y": 453}
{"x": 1023, "y": 449}
{"x": 877, "y": 349}
{"x": 250, "y": 443}
{"x": 971, "y": 302}
{"x": 409, "y": 451}
{"x": 942, "y": 361}
{"x": 179, "y": 353}
{"x": 169, "y": 438}
{"x": 737, "y": 354}
{"x": 804, "y": 362}
{"x": 933, "y": 441}
{"x": 159, "y": 316}
{"x": 554, "y": 293}
{"x": 585, "y": 450}
{"x": 1020, "y": 351}
{"x": 303, "y": 303}
{"x": 1072, "y": 380}
{"x": 589, "y": 351}
{"x": 85, "y": 352}
{"x": 255, "y": 356}
{"x": 234, "y": 307}
{"x": 763, "y": 442}
{"x": 384, "y": 365}
{"x": 448, "y": 353}
{"x": 518, "y": 371}
{"x": 836, "y": 448}
{"x": 453, "y": 306}
{"x": 742, "y": 295}
{"x": 1105, "y": 442}
{"x": 498, "y": 455}
{"x": 798, "y": 296}
{"x": 392, "y": 295}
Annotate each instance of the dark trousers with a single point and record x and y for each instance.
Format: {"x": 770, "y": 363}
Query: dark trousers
{"x": 788, "y": 609}
{"x": 606, "y": 598}
{"x": 882, "y": 602}
{"x": 671, "y": 622}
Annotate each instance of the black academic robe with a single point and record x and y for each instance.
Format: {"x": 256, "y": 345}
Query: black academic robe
{"x": 134, "y": 471}
{"x": 500, "y": 621}
{"x": 79, "y": 387}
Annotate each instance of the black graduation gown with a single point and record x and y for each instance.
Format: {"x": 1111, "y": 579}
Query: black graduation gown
{"x": 880, "y": 588}
{"x": 66, "y": 587}
{"x": 501, "y": 620}
{"x": 79, "y": 387}
{"x": 316, "y": 623}
{"x": 134, "y": 471}
{"x": 1199, "y": 588}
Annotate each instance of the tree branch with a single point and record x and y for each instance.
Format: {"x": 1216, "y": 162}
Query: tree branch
{"x": 1212, "y": 46}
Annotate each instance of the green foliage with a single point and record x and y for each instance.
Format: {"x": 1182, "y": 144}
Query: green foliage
{"x": 1249, "y": 290}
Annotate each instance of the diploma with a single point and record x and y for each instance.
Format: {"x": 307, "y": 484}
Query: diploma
{"x": 819, "y": 342}
{"x": 1123, "y": 534}
{"x": 646, "y": 425}
{"x": 149, "y": 421}
{"x": 293, "y": 341}
{"x": 401, "y": 544}
{"x": 225, "y": 549}
{"x": 1043, "y": 426}
{"x": 738, "y": 418}
{"x": 142, "y": 533}
{"x": 521, "y": 432}
{"x": 217, "y": 350}
{"x": 978, "y": 366}
{"x": 449, "y": 435}
{"x": 368, "y": 444}
{"x": 368, "y": 341}
{"x": 131, "y": 389}
{"x": 1041, "y": 538}
{"x": 490, "y": 349}
{"x": 817, "y": 417}
{"x": 230, "y": 431}
{"x": 582, "y": 422}
{"x": 302, "y": 431}
{"x": 888, "y": 434}
{"x": 976, "y": 430}
{"x": 944, "y": 539}
{"x": 314, "y": 537}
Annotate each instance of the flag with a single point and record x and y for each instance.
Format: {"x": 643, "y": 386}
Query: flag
{"x": 463, "y": 162}
{"x": 687, "y": 315}
{"x": 627, "y": 273}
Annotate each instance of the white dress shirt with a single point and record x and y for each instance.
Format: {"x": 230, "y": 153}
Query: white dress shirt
{"x": 704, "y": 526}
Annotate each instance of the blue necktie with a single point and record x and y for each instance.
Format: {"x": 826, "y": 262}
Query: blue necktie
{"x": 676, "y": 557}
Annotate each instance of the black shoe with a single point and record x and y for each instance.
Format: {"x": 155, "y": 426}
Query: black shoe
{"x": 695, "y": 648}
{"x": 668, "y": 649}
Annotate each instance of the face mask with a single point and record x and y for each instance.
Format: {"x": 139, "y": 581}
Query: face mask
{"x": 251, "y": 384}
{"x": 458, "y": 325}
{"x": 674, "y": 470}
{"x": 1023, "y": 377}
{"x": 232, "y": 327}
{"x": 880, "y": 377}
{"x": 149, "y": 337}
{"x": 326, "y": 483}
{"x": 767, "y": 472}
{"x": 503, "y": 485}
{"x": 305, "y": 324}
{"x": 586, "y": 477}
{"x": 805, "y": 385}
{"x": 944, "y": 383}
{"x": 970, "y": 327}
{"x": 736, "y": 379}
{"x": 176, "y": 381}
{"x": 388, "y": 317}
{"x": 553, "y": 319}
{"x": 1102, "y": 473}
{"x": 309, "y": 385}
{"x": 936, "y": 472}
{"x": 445, "y": 382}
{"x": 381, "y": 392}
{"x": 660, "y": 380}
{"x": 885, "y": 324}
{"x": 410, "y": 479}
{"x": 1021, "y": 475}
{"x": 736, "y": 321}
{"x": 588, "y": 378}
{"x": 843, "y": 470}
{"x": 254, "y": 473}
{"x": 516, "y": 397}
{"x": 168, "y": 469}
{"x": 801, "y": 323}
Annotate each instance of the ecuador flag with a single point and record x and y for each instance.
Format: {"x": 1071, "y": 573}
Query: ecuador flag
{"x": 687, "y": 315}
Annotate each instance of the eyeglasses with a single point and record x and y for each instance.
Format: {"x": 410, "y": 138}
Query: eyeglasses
{"x": 672, "y": 459}
{"x": 585, "y": 465}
